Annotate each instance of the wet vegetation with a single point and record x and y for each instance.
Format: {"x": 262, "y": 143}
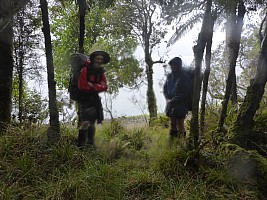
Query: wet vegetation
{"x": 129, "y": 163}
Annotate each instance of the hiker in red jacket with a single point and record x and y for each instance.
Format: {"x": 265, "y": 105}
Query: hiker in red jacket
{"x": 91, "y": 82}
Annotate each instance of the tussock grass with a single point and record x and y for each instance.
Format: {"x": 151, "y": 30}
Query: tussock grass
{"x": 135, "y": 163}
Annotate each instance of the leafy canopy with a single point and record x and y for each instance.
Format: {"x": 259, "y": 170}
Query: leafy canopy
{"x": 104, "y": 31}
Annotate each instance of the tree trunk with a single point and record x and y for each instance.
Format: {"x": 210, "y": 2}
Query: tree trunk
{"x": 234, "y": 91}
{"x": 6, "y": 70}
{"x": 82, "y": 11}
{"x": 53, "y": 132}
{"x": 7, "y": 9}
{"x": 20, "y": 71}
{"x": 20, "y": 57}
{"x": 151, "y": 98}
{"x": 233, "y": 46}
{"x": 241, "y": 131}
{"x": 198, "y": 54}
{"x": 11, "y": 7}
{"x": 206, "y": 74}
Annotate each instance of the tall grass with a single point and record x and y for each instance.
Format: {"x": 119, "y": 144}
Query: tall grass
{"x": 128, "y": 164}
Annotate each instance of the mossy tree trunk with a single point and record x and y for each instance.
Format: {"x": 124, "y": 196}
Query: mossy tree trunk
{"x": 53, "y": 132}
{"x": 240, "y": 132}
{"x": 147, "y": 30}
{"x": 235, "y": 23}
{"x": 151, "y": 98}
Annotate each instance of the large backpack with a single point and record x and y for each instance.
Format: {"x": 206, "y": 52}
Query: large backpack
{"x": 190, "y": 71}
{"x": 77, "y": 61}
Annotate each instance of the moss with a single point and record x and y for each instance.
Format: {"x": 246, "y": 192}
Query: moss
{"x": 245, "y": 165}
{"x": 244, "y": 124}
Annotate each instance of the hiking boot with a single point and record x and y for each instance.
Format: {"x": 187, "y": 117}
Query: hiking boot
{"x": 81, "y": 138}
{"x": 91, "y": 136}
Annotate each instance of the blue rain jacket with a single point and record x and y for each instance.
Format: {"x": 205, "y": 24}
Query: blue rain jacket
{"x": 176, "y": 89}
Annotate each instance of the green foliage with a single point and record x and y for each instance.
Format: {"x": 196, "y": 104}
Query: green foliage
{"x": 34, "y": 107}
{"x": 145, "y": 22}
{"x": 26, "y": 41}
{"x": 191, "y": 12}
{"x": 162, "y": 121}
{"x": 123, "y": 70}
{"x": 246, "y": 65}
{"x": 122, "y": 141}
{"x": 232, "y": 111}
{"x": 65, "y": 29}
{"x": 218, "y": 73}
{"x": 211, "y": 117}
{"x": 104, "y": 31}
{"x": 261, "y": 118}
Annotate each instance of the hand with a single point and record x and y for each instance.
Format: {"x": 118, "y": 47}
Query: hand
{"x": 169, "y": 102}
{"x": 172, "y": 102}
{"x": 90, "y": 84}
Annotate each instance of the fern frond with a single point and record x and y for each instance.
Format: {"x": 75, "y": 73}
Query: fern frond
{"x": 184, "y": 28}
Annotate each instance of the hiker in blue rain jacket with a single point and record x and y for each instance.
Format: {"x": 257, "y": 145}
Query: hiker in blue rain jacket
{"x": 176, "y": 90}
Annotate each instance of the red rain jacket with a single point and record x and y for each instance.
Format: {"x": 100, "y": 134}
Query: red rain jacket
{"x": 99, "y": 82}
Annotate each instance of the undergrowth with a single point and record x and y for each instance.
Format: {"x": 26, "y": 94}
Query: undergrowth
{"x": 128, "y": 164}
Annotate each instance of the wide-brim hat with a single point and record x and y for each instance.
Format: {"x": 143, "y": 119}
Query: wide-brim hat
{"x": 102, "y": 53}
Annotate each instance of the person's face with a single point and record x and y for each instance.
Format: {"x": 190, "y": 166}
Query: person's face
{"x": 174, "y": 68}
{"x": 98, "y": 61}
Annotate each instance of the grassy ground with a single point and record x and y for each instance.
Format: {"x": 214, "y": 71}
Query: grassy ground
{"x": 135, "y": 163}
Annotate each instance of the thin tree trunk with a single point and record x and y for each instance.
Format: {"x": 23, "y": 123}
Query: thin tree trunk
{"x": 82, "y": 11}
{"x": 241, "y": 131}
{"x": 233, "y": 45}
{"x": 53, "y": 132}
{"x": 20, "y": 86}
{"x": 234, "y": 91}
{"x": 6, "y": 71}
{"x": 206, "y": 76}
{"x": 7, "y": 9}
{"x": 198, "y": 54}
{"x": 20, "y": 65}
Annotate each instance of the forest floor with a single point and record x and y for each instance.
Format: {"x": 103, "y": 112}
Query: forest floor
{"x": 130, "y": 162}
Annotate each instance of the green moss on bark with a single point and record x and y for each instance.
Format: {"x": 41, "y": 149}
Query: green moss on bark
{"x": 243, "y": 164}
